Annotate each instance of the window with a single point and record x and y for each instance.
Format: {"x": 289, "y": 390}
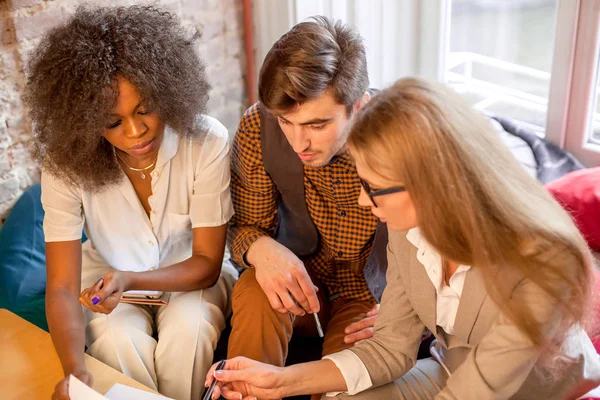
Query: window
{"x": 532, "y": 60}
{"x": 580, "y": 131}
{"x": 500, "y": 56}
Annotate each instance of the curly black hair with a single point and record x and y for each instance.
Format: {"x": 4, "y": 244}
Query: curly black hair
{"x": 72, "y": 85}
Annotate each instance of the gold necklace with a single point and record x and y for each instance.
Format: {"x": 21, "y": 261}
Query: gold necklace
{"x": 137, "y": 169}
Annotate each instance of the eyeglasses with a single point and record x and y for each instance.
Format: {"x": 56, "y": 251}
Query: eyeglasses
{"x": 379, "y": 192}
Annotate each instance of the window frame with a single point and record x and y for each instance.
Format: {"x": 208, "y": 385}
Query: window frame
{"x": 583, "y": 85}
{"x": 571, "y": 97}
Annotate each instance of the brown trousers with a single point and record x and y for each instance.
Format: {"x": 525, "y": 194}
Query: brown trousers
{"x": 261, "y": 333}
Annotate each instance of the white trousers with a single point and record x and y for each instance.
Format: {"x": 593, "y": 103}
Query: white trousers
{"x": 167, "y": 348}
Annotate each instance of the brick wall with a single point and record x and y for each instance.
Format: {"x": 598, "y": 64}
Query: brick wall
{"x": 22, "y": 22}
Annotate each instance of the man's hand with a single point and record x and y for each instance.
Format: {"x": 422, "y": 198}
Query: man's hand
{"x": 283, "y": 277}
{"x": 362, "y": 329}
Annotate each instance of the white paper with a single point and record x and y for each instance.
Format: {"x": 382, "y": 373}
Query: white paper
{"x": 592, "y": 394}
{"x": 122, "y": 392}
{"x": 80, "y": 391}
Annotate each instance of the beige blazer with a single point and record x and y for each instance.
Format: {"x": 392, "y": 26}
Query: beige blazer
{"x": 488, "y": 356}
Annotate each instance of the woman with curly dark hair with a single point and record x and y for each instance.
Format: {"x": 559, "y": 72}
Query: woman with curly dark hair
{"x": 117, "y": 97}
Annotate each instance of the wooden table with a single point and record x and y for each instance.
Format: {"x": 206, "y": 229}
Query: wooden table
{"x": 30, "y": 368}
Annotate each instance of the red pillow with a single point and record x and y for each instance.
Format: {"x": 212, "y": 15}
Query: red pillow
{"x": 579, "y": 194}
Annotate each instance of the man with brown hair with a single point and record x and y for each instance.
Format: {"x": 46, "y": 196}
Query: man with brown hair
{"x": 297, "y": 228}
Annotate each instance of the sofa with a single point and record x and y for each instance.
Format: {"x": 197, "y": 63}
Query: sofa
{"x": 22, "y": 247}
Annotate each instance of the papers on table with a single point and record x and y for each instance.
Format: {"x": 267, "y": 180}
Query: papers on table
{"x": 80, "y": 391}
{"x": 122, "y": 392}
{"x": 592, "y": 394}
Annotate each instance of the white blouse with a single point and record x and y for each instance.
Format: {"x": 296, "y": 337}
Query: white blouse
{"x": 190, "y": 189}
{"x": 448, "y": 298}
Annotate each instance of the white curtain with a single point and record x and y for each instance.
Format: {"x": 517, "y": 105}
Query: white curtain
{"x": 403, "y": 37}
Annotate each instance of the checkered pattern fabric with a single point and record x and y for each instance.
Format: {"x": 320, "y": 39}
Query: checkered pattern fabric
{"x": 345, "y": 229}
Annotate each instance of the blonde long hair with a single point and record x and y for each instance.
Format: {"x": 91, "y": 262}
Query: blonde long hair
{"x": 475, "y": 204}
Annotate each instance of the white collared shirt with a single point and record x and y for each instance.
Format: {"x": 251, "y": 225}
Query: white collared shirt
{"x": 351, "y": 366}
{"x": 190, "y": 189}
{"x": 448, "y": 296}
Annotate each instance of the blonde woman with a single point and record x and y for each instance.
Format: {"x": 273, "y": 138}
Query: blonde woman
{"x": 478, "y": 253}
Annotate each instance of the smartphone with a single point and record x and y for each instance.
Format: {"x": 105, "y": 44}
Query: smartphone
{"x": 142, "y": 294}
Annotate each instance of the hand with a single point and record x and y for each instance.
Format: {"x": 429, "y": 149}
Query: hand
{"x": 248, "y": 379}
{"x": 283, "y": 277}
{"x": 61, "y": 390}
{"x": 105, "y": 294}
{"x": 363, "y": 329}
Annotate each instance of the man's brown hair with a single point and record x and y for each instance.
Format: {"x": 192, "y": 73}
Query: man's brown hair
{"x": 314, "y": 56}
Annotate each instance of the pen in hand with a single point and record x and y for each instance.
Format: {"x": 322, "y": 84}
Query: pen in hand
{"x": 317, "y": 321}
{"x": 209, "y": 391}
{"x": 319, "y": 327}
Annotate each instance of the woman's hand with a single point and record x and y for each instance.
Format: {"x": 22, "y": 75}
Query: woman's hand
{"x": 61, "y": 390}
{"x": 249, "y": 379}
{"x": 105, "y": 294}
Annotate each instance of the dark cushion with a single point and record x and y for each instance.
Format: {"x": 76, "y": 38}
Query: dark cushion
{"x": 552, "y": 162}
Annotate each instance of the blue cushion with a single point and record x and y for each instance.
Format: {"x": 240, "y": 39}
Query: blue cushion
{"x": 23, "y": 259}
